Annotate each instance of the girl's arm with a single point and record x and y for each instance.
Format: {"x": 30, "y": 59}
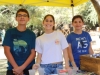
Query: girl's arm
{"x": 38, "y": 59}
{"x": 90, "y": 49}
{"x": 65, "y": 55}
{"x": 70, "y": 55}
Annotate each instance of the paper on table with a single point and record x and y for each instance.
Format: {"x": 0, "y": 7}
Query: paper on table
{"x": 39, "y": 71}
{"x": 32, "y": 72}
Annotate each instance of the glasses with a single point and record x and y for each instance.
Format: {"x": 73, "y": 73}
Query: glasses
{"x": 20, "y": 15}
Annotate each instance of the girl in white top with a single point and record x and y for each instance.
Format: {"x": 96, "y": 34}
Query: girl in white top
{"x": 50, "y": 46}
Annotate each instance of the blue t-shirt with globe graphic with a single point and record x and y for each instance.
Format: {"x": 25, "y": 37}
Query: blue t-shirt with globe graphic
{"x": 20, "y": 44}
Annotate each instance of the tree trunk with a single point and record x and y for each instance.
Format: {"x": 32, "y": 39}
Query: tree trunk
{"x": 97, "y": 8}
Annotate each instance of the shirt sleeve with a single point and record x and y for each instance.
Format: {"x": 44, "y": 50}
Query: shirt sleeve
{"x": 68, "y": 38}
{"x": 33, "y": 40}
{"x": 7, "y": 39}
{"x": 63, "y": 41}
{"x": 38, "y": 47}
{"x": 89, "y": 37}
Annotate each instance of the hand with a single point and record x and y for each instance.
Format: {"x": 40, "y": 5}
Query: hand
{"x": 35, "y": 66}
{"x": 18, "y": 74}
{"x": 21, "y": 73}
{"x": 75, "y": 68}
{"x": 18, "y": 70}
{"x": 68, "y": 68}
{"x": 72, "y": 71}
{"x": 14, "y": 71}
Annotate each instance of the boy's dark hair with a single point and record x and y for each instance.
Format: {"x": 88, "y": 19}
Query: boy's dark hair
{"x": 77, "y": 16}
{"x": 22, "y": 10}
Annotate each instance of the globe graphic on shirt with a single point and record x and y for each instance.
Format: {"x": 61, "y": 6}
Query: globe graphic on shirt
{"x": 20, "y": 46}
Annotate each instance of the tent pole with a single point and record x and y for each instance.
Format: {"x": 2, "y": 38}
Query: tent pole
{"x": 72, "y": 11}
{"x": 72, "y": 5}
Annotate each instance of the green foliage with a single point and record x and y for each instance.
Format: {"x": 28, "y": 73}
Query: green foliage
{"x": 62, "y": 15}
{"x": 89, "y": 14}
{"x": 7, "y": 15}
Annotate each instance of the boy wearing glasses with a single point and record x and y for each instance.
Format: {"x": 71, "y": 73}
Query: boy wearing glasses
{"x": 19, "y": 46}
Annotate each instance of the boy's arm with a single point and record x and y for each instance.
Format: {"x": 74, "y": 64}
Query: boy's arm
{"x": 20, "y": 69}
{"x": 9, "y": 56}
{"x": 90, "y": 49}
{"x": 30, "y": 58}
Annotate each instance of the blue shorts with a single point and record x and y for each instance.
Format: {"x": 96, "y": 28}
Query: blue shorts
{"x": 51, "y": 68}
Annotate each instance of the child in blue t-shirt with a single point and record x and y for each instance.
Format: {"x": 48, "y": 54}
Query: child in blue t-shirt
{"x": 19, "y": 46}
{"x": 79, "y": 42}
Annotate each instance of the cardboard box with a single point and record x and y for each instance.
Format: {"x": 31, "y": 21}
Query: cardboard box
{"x": 90, "y": 63}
